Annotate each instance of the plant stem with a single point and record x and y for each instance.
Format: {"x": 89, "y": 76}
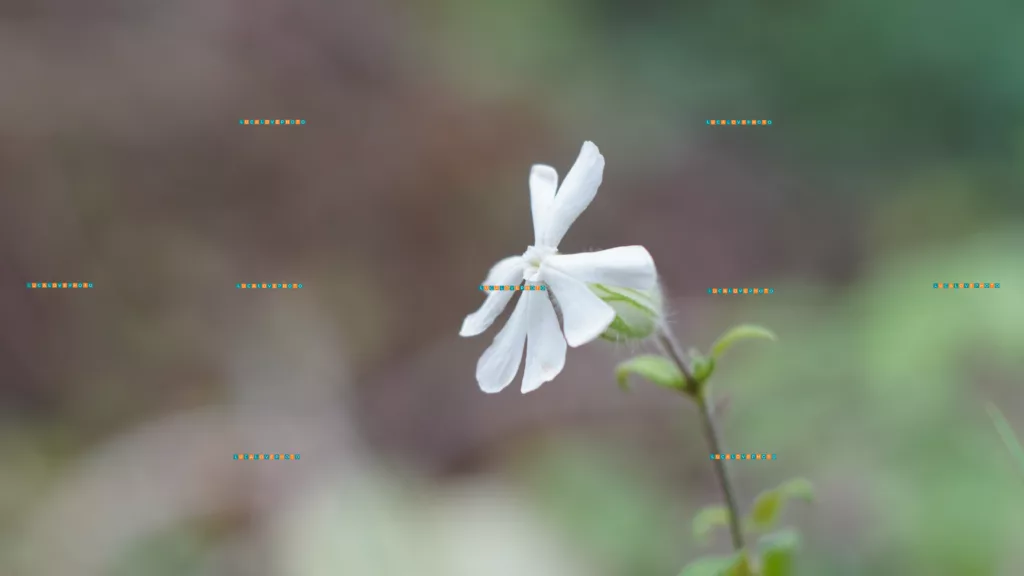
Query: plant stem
{"x": 735, "y": 530}
{"x": 668, "y": 342}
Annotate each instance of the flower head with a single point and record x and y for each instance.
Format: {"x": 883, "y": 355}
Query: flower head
{"x": 534, "y": 322}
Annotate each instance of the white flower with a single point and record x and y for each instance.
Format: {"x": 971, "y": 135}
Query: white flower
{"x": 533, "y": 321}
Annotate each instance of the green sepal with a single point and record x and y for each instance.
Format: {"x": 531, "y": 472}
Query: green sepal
{"x": 638, "y": 313}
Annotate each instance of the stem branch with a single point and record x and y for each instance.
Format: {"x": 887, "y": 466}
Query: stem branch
{"x": 668, "y": 342}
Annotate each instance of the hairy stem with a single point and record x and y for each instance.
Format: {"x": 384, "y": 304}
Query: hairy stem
{"x": 668, "y": 342}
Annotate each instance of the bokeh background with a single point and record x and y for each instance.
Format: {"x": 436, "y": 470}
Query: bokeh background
{"x": 895, "y": 160}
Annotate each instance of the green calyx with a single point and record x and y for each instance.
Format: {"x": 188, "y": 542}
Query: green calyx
{"x": 638, "y": 313}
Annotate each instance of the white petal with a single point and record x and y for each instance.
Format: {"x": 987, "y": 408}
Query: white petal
{"x": 543, "y": 184}
{"x": 584, "y": 315}
{"x": 498, "y": 366}
{"x": 545, "y": 345}
{"x": 625, "y": 267}
{"x": 577, "y": 190}
{"x": 507, "y": 271}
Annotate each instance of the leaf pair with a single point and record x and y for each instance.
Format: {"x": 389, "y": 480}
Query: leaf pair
{"x": 665, "y": 373}
{"x": 764, "y": 514}
{"x": 775, "y": 552}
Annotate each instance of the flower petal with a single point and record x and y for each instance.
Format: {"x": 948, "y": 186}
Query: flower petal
{"x": 543, "y": 184}
{"x": 545, "y": 345}
{"x": 577, "y": 190}
{"x": 498, "y": 365}
{"x": 584, "y": 315}
{"x": 625, "y": 267}
{"x": 507, "y": 271}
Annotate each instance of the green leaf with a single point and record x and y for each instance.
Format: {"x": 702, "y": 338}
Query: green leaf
{"x": 702, "y": 368}
{"x": 1007, "y": 434}
{"x": 778, "y": 552}
{"x": 768, "y": 506}
{"x": 734, "y": 335}
{"x": 732, "y": 565}
{"x": 657, "y": 369}
{"x": 707, "y": 520}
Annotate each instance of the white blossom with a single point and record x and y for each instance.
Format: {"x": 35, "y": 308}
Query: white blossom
{"x": 534, "y": 322}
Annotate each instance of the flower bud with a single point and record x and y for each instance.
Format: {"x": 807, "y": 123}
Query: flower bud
{"x": 638, "y": 313}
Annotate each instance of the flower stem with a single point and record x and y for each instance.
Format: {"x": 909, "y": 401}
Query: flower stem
{"x": 668, "y": 342}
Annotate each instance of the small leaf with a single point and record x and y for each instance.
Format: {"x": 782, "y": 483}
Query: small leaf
{"x": 702, "y": 368}
{"x": 707, "y": 520}
{"x": 657, "y": 369}
{"x": 778, "y": 552}
{"x": 734, "y": 335}
{"x": 1007, "y": 434}
{"x": 732, "y": 565}
{"x": 768, "y": 506}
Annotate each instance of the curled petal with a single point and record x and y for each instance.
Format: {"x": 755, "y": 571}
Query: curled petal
{"x": 545, "y": 345}
{"x": 507, "y": 271}
{"x": 543, "y": 184}
{"x": 625, "y": 267}
{"x": 500, "y": 362}
{"x": 577, "y": 190}
{"x": 584, "y": 315}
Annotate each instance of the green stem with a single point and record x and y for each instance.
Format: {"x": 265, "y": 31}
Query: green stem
{"x": 668, "y": 342}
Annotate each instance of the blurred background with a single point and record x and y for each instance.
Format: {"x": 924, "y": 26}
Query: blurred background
{"x": 895, "y": 159}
